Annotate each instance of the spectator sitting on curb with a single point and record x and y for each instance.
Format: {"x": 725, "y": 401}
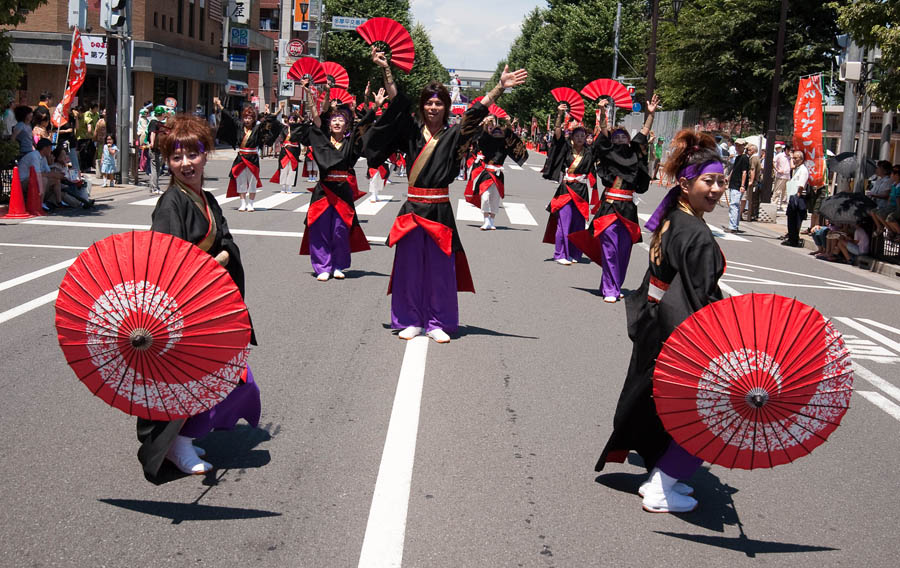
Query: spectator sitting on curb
{"x": 823, "y": 242}
{"x": 858, "y": 245}
{"x": 881, "y": 186}
{"x": 886, "y": 217}
{"x": 75, "y": 190}
{"x": 37, "y": 159}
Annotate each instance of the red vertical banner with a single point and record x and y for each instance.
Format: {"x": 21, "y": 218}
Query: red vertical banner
{"x": 808, "y": 123}
{"x": 77, "y": 73}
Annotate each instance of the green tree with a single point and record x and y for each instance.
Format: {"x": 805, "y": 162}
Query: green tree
{"x": 12, "y": 13}
{"x": 875, "y": 23}
{"x": 720, "y": 57}
{"x": 569, "y": 44}
{"x": 348, "y": 49}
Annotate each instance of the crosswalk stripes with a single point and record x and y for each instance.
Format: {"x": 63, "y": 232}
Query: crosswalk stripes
{"x": 465, "y": 211}
{"x": 514, "y": 167}
{"x": 518, "y": 214}
{"x": 273, "y": 201}
{"x": 366, "y": 207}
{"x": 536, "y": 168}
{"x": 151, "y": 201}
{"x": 716, "y": 231}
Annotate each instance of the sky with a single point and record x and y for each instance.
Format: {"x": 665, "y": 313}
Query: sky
{"x": 472, "y": 34}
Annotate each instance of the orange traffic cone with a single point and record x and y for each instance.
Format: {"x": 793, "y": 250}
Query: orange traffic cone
{"x": 16, "y": 199}
{"x": 33, "y": 203}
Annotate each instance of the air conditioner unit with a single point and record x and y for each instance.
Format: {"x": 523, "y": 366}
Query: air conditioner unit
{"x": 851, "y": 71}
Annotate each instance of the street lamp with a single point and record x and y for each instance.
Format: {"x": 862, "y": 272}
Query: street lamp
{"x": 651, "y": 53}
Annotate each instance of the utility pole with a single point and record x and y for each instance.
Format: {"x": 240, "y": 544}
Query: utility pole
{"x": 887, "y": 119}
{"x": 615, "y": 69}
{"x": 848, "y": 121}
{"x": 766, "y": 190}
{"x": 862, "y": 148}
{"x": 651, "y": 53}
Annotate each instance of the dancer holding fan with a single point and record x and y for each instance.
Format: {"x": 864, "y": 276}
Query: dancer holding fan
{"x": 243, "y": 179}
{"x": 430, "y": 265}
{"x": 685, "y": 266}
{"x": 486, "y": 185}
{"x": 621, "y": 164}
{"x": 291, "y": 149}
{"x": 332, "y": 227}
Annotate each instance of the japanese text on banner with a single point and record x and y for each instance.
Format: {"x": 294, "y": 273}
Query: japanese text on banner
{"x": 808, "y": 128}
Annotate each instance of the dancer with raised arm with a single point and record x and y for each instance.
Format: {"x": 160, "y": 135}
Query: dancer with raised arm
{"x": 486, "y": 185}
{"x": 685, "y": 266}
{"x": 429, "y": 263}
{"x": 332, "y": 226}
{"x": 291, "y": 150}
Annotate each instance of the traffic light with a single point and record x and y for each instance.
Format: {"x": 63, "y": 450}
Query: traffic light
{"x": 113, "y": 14}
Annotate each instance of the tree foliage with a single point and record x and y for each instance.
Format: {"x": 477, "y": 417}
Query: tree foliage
{"x": 876, "y": 23}
{"x": 348, "y": 49}
{"x": 569, "y": 44}
{"x": 12, "y": 13}
{"x": 720, "y": 57}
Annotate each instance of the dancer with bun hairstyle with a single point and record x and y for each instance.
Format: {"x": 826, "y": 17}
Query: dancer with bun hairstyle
{"x": 685, "y": 266}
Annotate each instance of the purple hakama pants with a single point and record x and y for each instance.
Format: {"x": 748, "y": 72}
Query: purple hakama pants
{"x": 616, "y": 244}
{"x": 423, "y": 285}
{"x": 677, "y": 462}
{"x": 242, "y": 402}
{"x": 329, "y": 242}
{"x": 569, "y": 221}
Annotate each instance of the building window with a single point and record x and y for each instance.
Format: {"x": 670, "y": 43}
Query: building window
{"x": 180, "y": 16}
{"x": 191, "y": 19}
{"x": 269, "y": 19}
{"x": 170, "y": 24}
{"x": 202, "y": 23}
{"x": 164, "y": 22}
{"x": 155, "y": 19}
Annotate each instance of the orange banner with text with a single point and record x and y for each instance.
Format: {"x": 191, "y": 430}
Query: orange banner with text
{"x": 808, "y": 118}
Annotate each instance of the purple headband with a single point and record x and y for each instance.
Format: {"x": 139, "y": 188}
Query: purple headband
{"x": 697, "y": 170}
{"x": 200, "y": 147}
{"x": 433, "y": 96}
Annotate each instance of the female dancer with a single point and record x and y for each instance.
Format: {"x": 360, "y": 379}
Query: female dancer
{"x": 429, "y": 263}
{"x": 571, "y": 162}
{"x": 622, "y": 166}
{"x": 243, "y": 179}
{"x": 485, "y": 188}
{"x": 685, "y": 266}
{"x": 332, "y": 227}
{"x": 291, "y": 150}
{"x": 189, "y": 213}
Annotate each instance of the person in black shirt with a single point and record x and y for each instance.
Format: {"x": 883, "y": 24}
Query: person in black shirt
{"x": 737, "y": 185}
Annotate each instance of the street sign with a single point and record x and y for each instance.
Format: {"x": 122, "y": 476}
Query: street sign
{"x": 237, "y": 61}
{"x": 94, "y": 49}
{"x": 295, "y": 48}
{"x": 287, "y": 89}
{"x": 240, "y": 37}
{"x": 346, "y": 22}
{"x": 239, "y": 11}
{"x": 301, "y": 15}
{"x": 636, "y": 107}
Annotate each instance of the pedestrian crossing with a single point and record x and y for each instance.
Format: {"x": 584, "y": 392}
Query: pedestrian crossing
{"x": 717, "y": 232}
{"x": 516, "y": 213}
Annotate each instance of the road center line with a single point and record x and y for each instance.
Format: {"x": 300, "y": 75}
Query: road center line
{"x": 36, "y": 274}
{"x": 66, "y": 247}
{"x": 386, "y": 529}
{"x": 28, "y": 306}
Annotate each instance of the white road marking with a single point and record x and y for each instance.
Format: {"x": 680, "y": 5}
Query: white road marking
{"x": 871, "y": 333}
{"x": 222, "y": 199}
{"x": 465, "y": 211}
{"x": 869, "y": 350}
{"x": 876, "y": 381}
{"x": 367, "y": 208}
{"x": 41, "y": 246}
{"x": 303, "y": 208}
{"x": 536, "y": 168}
{"x": 386, "y": 528}
{"x": 881, "y": 402}
{"x": 728, "y": 289}
{"x": 514, "y": 167}
{"x": 880, "y": 325}
{"x": 518, "y": 214}
{"x": 151, "y": 201}
{"x": 716, "y": 231}
{"x": 28, "y": 306}
{"x": 36, "y": 274}
{"x": 273, "y": 201}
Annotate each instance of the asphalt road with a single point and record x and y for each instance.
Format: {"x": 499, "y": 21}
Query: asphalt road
{"x": 378, "y": 452}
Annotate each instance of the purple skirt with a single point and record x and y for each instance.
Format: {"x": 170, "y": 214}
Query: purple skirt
{"x": 242, "y": 402}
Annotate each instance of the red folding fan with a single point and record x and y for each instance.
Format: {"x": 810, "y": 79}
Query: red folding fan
{"x": 307, "y": 66}
{"x": 337, "y": 74}
{"x": 608, "y": 88}
{"x": 494, "y": 109}
{"x": 572, "y": 99}
{"x": 340, "y": 95}
{"x": 386, "y": 30}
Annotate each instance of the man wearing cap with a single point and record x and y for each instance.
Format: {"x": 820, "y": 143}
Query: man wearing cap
{"x": 782, "y": 167}
{"x": 737, "y": 185}
{"x": 37, "y": 159}
{"x": 157, "y": 121}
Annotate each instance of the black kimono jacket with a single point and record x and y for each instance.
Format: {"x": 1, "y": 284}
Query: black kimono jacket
{"x": 397, "y": 131}
{"x": 495, "y": 150}
{"x": 337, "y": 184}
{"x": 177, "y": 215}
{"x": 261, "y": 135}
{"x": 290, "y": 149}
{"x": 620, "y": 167}
{"x": 688, "y": 267}
{"x": 561, "y": 157}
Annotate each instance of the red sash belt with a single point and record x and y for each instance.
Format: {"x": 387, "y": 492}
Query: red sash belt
{"x": 440, "y": 233}
{"x": 429, "y": 195}
{"x": 239, "y": 167}
{"x": 560, "y": 201}
{"x": 316, "y": 208}
{"x": 619, "y": 195}
{"x": 341, "y": 176}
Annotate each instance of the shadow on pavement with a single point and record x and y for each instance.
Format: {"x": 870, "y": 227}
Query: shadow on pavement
{"x": 748, "y": 546}
{"x": 472, "y": 330}
{"x": 179, "y": 512}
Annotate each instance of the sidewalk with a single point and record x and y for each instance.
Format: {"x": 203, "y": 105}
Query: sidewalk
{"x": 779, "y": 228}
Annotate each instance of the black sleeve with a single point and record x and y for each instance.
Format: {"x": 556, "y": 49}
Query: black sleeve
{"x": 699, "y": 262}
{"x": 388, "y": 133}
{"x": 515, "y": 148}
{"x": 228, "y": 129}
{"x": 168, "y": 217}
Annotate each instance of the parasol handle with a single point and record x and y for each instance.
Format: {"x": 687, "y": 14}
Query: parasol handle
{"x": 141, "y": 339}
{"x": 757, "y": 397}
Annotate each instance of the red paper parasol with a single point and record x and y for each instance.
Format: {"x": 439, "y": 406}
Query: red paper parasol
{"x": 608, "y": 88}
{"x": 752, "y": 381}
{"x": 386, "y": 30}
{"x": 339, "y": 95}
{"x": 572, "y": 99}
{"x": 307, "y": 66}
{"x": 153, "y": 325}
{"x": 493, "y": 109}
{"x": 337, "y": 74}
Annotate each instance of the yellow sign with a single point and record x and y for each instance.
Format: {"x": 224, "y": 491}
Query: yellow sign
{"x": 301, "y": 11}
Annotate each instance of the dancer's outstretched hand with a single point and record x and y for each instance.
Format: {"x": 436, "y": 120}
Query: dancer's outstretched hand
{"x": 510, "y": 79}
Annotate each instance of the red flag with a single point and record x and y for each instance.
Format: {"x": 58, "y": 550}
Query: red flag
{"x": 808, "y": 128}
{"x": 77, "y": 73}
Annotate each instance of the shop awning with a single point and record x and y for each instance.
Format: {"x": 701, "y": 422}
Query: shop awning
{"x": 237, "y": 88}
